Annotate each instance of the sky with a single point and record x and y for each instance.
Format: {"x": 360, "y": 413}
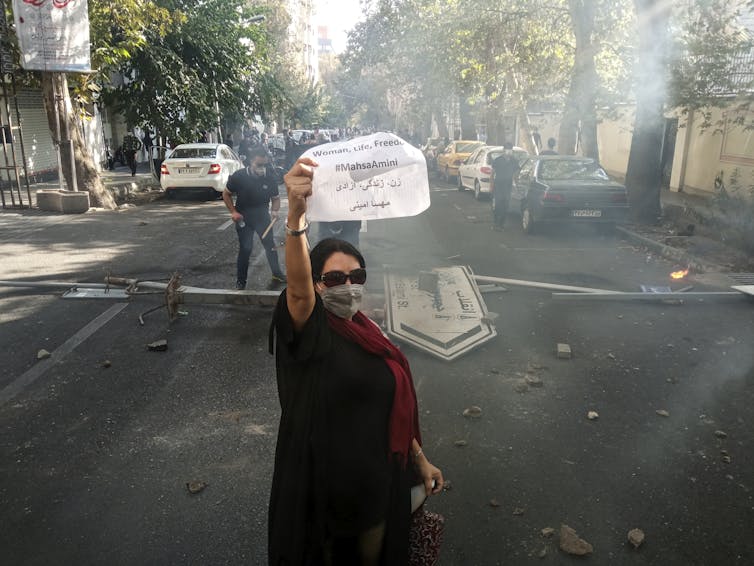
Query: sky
{"x": 339, "y": 16}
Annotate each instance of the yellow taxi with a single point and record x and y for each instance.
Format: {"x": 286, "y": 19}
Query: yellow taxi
{"x": 454, "y": 155}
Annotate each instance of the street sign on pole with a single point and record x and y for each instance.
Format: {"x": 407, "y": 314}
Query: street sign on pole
{"x": 440, "y": 311}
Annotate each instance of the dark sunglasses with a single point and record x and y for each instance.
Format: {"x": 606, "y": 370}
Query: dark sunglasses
{"x": 334, "y": 278}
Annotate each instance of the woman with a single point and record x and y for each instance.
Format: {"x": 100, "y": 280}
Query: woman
{"x": 349, "y": 447}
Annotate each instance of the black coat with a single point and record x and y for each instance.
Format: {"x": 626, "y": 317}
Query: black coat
{"x": 297, "y": 510}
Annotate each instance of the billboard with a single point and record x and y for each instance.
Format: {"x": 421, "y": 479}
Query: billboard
{"x": 53, "y": 34}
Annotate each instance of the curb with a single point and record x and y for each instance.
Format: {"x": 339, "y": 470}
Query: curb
{"x": 669, "y": 252}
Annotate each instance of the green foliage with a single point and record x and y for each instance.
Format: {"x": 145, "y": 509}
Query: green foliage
{"x": 708, "y": 64}
{"x": 205, "y": 53}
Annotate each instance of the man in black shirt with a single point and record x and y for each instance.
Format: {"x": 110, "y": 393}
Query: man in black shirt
{"x": 254, "y": 187}
{"x": 504, "y": 168}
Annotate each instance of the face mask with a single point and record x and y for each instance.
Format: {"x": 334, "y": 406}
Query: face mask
{"x": 343, "y": 300}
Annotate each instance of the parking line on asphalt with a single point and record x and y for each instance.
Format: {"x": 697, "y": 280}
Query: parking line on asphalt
{"x": 32, "y": 374}
{"x": 224, "y": 225}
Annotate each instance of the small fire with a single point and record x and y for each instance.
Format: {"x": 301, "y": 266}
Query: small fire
{"x": 680, "y": 274}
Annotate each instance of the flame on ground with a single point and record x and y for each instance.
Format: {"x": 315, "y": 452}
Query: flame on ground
{"x": 679, "y": 274}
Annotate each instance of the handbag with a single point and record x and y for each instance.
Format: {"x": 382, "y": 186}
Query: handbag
{"x": 425, "y": 537}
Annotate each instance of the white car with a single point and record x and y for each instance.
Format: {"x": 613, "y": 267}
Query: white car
{"x": 198, "y": 168}
{"x": 475, "y": 172}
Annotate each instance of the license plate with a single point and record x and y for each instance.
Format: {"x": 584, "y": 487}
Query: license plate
{"x": 187, "y": 170}
{"x": 586, "y": 213}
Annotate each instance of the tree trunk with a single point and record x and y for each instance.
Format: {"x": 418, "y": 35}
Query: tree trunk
{"x": 468, "y": 127}
{"x": 644, "y": 172}
{"x": 87, "y": 177}
{"x": 580, "y": 103}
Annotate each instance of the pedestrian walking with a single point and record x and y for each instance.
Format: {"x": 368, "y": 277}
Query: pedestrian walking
{"x": 551, "y": 142}
{"x": 148, "y": 143}
{"x": 254, "y": 188}
{"x": 504, "y": 168}
{"x": 131, "y": 144}
{"x": 349, "y": 447}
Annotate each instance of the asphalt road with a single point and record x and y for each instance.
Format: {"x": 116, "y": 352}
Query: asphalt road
{"x": 94, "y": 460}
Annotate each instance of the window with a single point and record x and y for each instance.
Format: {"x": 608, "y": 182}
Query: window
{"x": 194, "y": 153}
{"x": 571, "y": 169}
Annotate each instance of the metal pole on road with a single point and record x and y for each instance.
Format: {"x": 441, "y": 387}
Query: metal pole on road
{"x": 539, "y": 285}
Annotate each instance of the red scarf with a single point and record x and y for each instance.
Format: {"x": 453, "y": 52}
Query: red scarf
{"x": 404, "y": 416}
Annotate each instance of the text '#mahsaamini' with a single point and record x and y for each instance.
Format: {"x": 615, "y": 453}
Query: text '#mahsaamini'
{"x": 364, "y": 165}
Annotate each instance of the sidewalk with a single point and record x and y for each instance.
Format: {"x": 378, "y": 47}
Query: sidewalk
{"x": 138, "y": 189}
{"x": 694, "y": 232}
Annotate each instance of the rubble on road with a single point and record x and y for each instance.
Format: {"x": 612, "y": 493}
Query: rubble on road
{"x": 195, "y": 487}
{"x": 158, "y": 346}
{"x": 533, "y": 381}
{"x": 592, "y": 415}
{"x": 547, "y": 532}
{"x": 472, "y": 412}
{"x": 570, "y": 543}
{"x": 636, "y": 537}
{"x": 662, "y": 412}
{"x": 43, "y": 354}
{"x": 564, "y": 351}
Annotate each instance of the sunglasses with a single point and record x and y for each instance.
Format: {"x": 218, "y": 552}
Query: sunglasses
{"x": 334, "y": 278}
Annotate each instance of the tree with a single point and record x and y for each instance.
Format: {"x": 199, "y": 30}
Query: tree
{"x": 580, "y": 102}
{"x": 644, "y": 172}
{"x": 203, "y": 69}
{"x": 695, "y": 71}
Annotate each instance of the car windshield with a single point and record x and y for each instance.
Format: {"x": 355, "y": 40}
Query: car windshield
{"x": 572, "y": 170}
{"x": 194, "y": 153}
{"x": 467, "y": 147}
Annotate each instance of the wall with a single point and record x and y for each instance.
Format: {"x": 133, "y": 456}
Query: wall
{"x": 702, "y": 155}
{"x": 614, "y": 133}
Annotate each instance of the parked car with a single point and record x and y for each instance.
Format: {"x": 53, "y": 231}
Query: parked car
{"x": 561, "y": 188}
{"x": 454, "y": 155}
{"x": 198, "y": 168}
{"x": 475, "y": 172}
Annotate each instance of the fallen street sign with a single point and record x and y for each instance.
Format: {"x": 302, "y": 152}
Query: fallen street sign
{"x": 440, "y": 311}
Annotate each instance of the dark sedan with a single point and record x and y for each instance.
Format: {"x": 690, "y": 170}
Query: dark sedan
{"x": 559, "y": 188}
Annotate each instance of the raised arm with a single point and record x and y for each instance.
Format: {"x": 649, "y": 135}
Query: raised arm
{"x": 300, "y": 292}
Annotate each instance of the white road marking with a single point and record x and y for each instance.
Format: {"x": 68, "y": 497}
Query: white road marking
{"x": 32, "y": 374}
{"x": 458, "y": 208}
{"x": 224, "y": 225}
{"x": 444, "y": 190}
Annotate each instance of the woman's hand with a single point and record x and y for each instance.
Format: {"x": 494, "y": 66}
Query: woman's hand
{"x": 298, "y": 183}
{"x": 427, "y": 472}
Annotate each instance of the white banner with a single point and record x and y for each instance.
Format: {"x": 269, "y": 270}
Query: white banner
{"x": 368, "y": 178}
{"x": 53, "y": 34}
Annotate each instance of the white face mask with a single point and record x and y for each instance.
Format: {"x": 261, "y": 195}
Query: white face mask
{"x": 343, "y": 300}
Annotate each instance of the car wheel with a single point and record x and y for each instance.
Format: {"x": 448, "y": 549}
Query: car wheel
{"x": 477, "y": 190}
{"x": 170, "y": 195}
{"x": 527, "y": 221}
{"x": 460, "y": 183}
